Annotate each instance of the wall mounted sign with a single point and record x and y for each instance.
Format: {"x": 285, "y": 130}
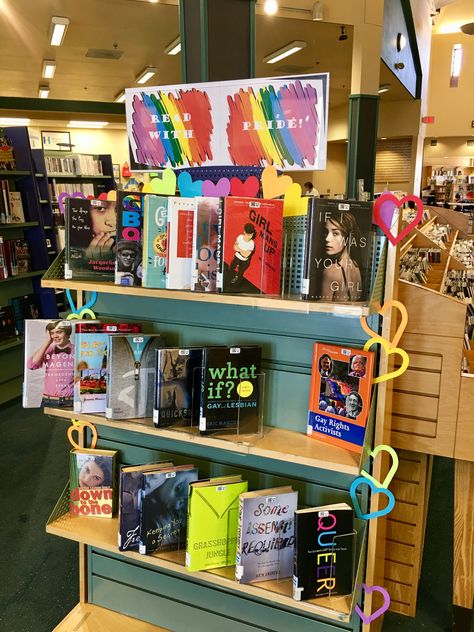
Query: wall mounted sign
{"x": 60, "y": 141}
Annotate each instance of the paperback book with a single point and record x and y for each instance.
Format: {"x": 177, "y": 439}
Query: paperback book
{"x": 24, "y": 307}
{"x": 7, "y": 322}
{"x": 179, "y": 264}
{"x": 16, "y": 208}
{"x": 207, "y": 249}
{"x": 340, "y": 395}
{"x": 92, "y": 488}
{"x": 128, "y": 259}
{"x": 155, "y": 236}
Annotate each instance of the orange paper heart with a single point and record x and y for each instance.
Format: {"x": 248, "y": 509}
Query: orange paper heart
{"x": 293, "y": 203}
{"x": 274, "y": 185}
{"x": 77, "y": 427}
{"x": 382, "y": 310}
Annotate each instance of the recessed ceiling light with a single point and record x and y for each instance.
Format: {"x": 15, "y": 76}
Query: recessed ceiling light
{"x": 385, "y": 87}
{"x": 58, "y": 30}
{"x": 14, "y": 121}
{"x": 146, "y": 74}
{"x": 43, "y": 92}
{"x": 120, "y": 97}
{"x": 270, "y": 7}
{"x": 468, "y": 28}
{"x": 88, "y": 124}
{"x": 285, "y": 51}
{"x": 153, "y": 1}
{"x": 383, "y": 138}
{"x": 49, "y": 68}
{"x": 174, "y": 47}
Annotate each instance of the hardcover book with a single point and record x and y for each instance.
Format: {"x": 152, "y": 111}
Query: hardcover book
{"x": 324, "y": 555}
{"x": 128, "y": 259}
{"x": 163, "y": 504}
{"x": 213, "y": 516}
{"x": 252, "y": 246}
{"x": 181, "y": 213}
{"x": 3, "y": 261}
{"x": 231, "y": 389}
{"x": 340, "y": 395}
{"x": 131, "y": 375}
{"x": 155, "y": 235}
{"x": 131, "y": 482}
{"x": 91, "y": 227}
{"x": 207, "y": 249}
{"x": 92, "y": 488}
{"x": 21, "y": 255}
{"x": 7, "y": 322}
{"x": 16, "y": 208}
{"x": 24, "y": 307}
{"x": 338, "y": 246}
{"x": 266, "y": 535}
{"x": 178, "y": 387}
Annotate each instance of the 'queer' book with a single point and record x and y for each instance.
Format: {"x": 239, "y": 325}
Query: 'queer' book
{"x": 266, "y": 536}
{"x": 179, "y": 263}
{"x": 92, "y": 482}
{"x": 207, "y": 249}
{"x": 324, "y": 556}
{"x": 231, "y": 389}
{"x": 341, "y": 387}
{"x": 128, "y": 259}
{"x": 155, "y": 235}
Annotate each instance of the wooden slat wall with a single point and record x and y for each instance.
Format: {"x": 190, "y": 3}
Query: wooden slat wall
{"x": 405, "y": 531}
{"x": 393, "y": 160}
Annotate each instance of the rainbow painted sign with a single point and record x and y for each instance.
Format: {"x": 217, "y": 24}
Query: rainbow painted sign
{"x": 259, "y": 122}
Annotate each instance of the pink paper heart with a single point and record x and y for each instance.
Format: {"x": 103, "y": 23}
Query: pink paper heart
{"x": 222, "y": 188}
{"x": 62, "y": 196}
{"x": 382, "y": 213}
{"x": 249, "y": 188}
{"x": 381, "y": 610}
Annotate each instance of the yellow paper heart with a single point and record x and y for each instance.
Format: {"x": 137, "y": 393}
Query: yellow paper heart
{"x": 401, "y": 328}
{"x": 391, "y": 473}
{"x": 166, "y": 185}
{"x": 274, "y": 185}
{"x": 81, "y": 315}
{"x": 112, "y": 196}
{"x": 293, "y": 203}
{"x": 76, "y": 427}
{"x": 389, "y": 351}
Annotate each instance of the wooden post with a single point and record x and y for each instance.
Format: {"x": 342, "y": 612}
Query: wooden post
{"x": 463, "y": 567}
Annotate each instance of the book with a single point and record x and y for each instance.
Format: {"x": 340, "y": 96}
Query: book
{"x": 207, "y": 247}
{"x": 340, "y": 395}
{"x": 178, "y": 387}
{"x": 324, "y": 554}
{"x": 131, "y": 482}
{"x": 10, "y": 258}
{"x": 21, "y": 255}
{"x": 231, "y": 389}
{"x": 3, "y": 261}
{"x": 90, "y": 239}
{"x": 128, "y": 258}
{"x": 155, "y": 236}
{"x": 163, "y": 504}
{"x": 7, "y": 322}
{"x": 181, "y": 213}
{"x": 131, "y": 375}
{"x": 252, "y": 246}
{"x": 24, "y": 307}
{"x": 266, "y": 535}
{"x": 92, "y": 487}
{"x": 90, "y": 362}
{"x": 6, "y": 199}
{"x": 213, "y": 516}
{"x": 16, "y": 208}
{"x": 338, "y": 246}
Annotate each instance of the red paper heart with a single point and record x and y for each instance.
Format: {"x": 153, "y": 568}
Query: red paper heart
{"x": 378, "y": 219}
{"x": 249, "y": 188}
{"x": 102, "y": 196}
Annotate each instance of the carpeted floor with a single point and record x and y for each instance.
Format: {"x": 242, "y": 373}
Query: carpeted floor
{"x": 39, "y": 572}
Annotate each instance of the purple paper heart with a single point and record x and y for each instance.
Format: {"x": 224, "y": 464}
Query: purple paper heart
{"x": 387, "y": 209}
{"x": 381, "y": 610}
{"x": 62, "y": 196}
{"x": 222, "y": 188}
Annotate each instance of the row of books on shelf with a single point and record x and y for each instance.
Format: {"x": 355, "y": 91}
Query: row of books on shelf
{"x": 74, "y": 164}
{"x": 14, "y": 257}
{"x": 232, "y": 244}
{"x": 56, "y": 188}
{"x": 217, "y": 522}
{"x": 13, "y": 315}
{"x": 11, "y": 205}
{"x": 116, "y": 369}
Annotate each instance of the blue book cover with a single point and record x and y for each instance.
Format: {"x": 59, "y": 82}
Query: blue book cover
{"x": 155, "y": 231}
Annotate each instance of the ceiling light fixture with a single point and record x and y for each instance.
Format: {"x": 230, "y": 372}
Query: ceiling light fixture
{"x": 384, "y": 87}
{"x": 318, "y": 12}
{"x": 285, "y": 51}
{"x": 146, "y": 73}
{"x": 468, "y": 28}
{"x": 49, "y": 68}
{"x": 343, "y": 35}
{"x": 174, "y": 47}
{"x": 153, "y": 1}
{"x": 5, "y": 120}
{"x": 88, "y": 124}
{"x": 43, "y": 92}
{"x": 120, "y": 97}
{"x": 270, "y": 7}
{"x": 58, "y": 30}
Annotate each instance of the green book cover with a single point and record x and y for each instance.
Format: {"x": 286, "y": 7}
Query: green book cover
{"x": 213, "y": 516}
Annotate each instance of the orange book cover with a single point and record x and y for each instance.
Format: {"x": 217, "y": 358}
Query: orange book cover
{"x": 341, "y": 388}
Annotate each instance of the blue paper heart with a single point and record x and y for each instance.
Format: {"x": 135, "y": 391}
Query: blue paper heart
{"x": 375, "y": 490}
{"x": 88, "y": 305}
{"x": 187, "y": 187}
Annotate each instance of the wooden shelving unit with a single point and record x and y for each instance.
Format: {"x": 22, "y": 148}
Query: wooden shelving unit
{"x": 86, "y": 617}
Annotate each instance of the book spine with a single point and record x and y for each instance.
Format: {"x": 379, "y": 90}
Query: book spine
{"x": 220, "y": 250}
{"x": 305, "y": 281}
{"x": 202, "y": 418}
{"x": 239, "y": 569}
{"x": 296, "y": 589}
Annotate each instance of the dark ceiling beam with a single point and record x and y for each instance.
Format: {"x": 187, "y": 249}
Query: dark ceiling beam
{"x": 61, "y": 105}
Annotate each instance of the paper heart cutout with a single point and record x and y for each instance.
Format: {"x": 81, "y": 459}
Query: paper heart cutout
{"x": 381, "y": 610}
{"x": 381, "y": 213}
{"x": 110, "y": 196}
{"x": 274, "y": 185}
{"x": 76, "y": 427}
{"x": 82, "y": 314}
{"x": 401, "y": 328}
{"x": 221, "y": 189}
{"x": 389, "y": 351}
{"x": 166, "y": 185}
{"x": 249, "y": 188}
{"x": 62, "y": 196}
{"x": 187, "y": 187}
{"x": 293, "y": 203}
{"x": 375, "y": 490}
{"x": 391, "y": 473}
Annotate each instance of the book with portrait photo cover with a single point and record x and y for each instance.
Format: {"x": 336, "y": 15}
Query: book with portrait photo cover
{"x": 92, "y": 485}
{"x": 340, "y": 394}
{"x": 338, "y": 251}
{"x": 128, "y": 255}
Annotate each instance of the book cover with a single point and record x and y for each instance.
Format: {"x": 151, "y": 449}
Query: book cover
{"x": 340, "y": 395}
{"x": 16, "y": 208}
{"x": 24, "y": 307}
{"x": 155, "y": 235}
{"x": 7, "y": 322}
{"x": 338, "y": 245}
{"x": 10, "y": 258}
{"x": 207, "y": 248}
{"x": 92, "y": 487}
{"x": 131, "y": 375}
{"x": 3, "y": 261}
{"x": 131, "y": 482}
{"x": 128, "y": 259}
{"x": 266, "y": 535}
{"x": 163, "y": 504}
{"x": 213, "y": 516}
{"x": 324, "y": 554}
{"x": 90, "y": 360}
{"x": 181, "y": 213}
{"x": 178, "y": 387}
{"x": 90, "y": 239}
{"x": 230, "y": 389}
{"x": 6, "y": 200}
{"x": 21, "y": 255}
{"x": 252, "y": 245}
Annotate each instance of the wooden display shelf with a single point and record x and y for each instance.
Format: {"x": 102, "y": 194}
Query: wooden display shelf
{"x": 73, "y": 176}
{"x": 27, "y": 275}
{"x": 276, "y": 443}
{"x": 19, "y": 225}
{"x": 87, "y": 617}
{"x": 13, "y": 174}
{"x": 9, "y": 343}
